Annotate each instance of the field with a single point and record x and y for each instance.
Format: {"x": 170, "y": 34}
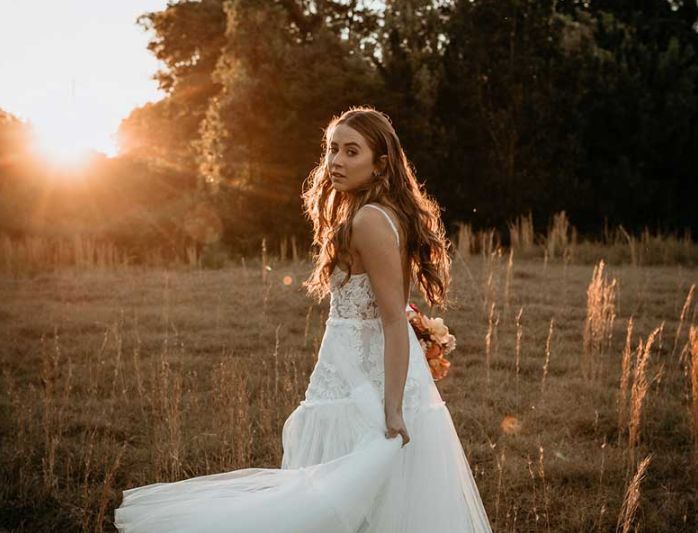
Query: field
{"x": 120, "y": 377}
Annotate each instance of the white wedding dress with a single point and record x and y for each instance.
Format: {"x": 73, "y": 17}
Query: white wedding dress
{"x": 339, "y": 473}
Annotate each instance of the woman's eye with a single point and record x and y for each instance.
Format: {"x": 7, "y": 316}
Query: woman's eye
{"x": 334, "y": 150}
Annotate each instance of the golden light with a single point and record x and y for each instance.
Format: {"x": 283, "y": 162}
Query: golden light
{"x": 203, "y": 224}
{"x": 74, "y": 73}
{"x": 61, "y": 153}
{"x": 288, "y": 280}
{"x": 63, "y": 140}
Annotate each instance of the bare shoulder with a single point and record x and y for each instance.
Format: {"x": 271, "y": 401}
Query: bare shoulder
{"x": 392, "y": 214}
{"x": 370, "y": 224}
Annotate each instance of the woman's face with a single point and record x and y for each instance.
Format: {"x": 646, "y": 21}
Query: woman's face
{"x": 349, "y": 159}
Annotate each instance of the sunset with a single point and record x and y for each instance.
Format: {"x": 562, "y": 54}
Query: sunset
{"x": 348, "y": 266}
{"x": 76, "y": 71}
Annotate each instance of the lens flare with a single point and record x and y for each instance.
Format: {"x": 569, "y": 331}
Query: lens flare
{"x": 510, "y": 425}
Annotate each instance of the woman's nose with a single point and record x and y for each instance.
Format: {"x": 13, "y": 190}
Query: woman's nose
{"x": 336, "y": 160}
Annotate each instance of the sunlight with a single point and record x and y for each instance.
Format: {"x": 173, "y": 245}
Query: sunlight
{"x": 60, "y": 151}
{"x": 64, "y": 141}
{"x": 75, "y": 72}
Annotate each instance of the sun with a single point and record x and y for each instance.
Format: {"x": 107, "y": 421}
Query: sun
{"x": 65, "y": 140}
{"x": 59, "y": 146}
{"x": 60, "y": 152}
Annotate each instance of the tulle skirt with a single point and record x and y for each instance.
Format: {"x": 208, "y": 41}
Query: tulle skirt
{"x": 339, "y": 473}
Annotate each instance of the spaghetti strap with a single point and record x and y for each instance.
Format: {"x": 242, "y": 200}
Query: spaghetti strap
{"x": 390, "y": 221}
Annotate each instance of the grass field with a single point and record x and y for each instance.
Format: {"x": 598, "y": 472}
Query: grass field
{"x": 118, "y": 378}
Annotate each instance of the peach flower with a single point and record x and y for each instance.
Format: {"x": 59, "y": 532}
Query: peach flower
{"x": 434, "y": 350}
{"x": 438, "y": 330}
{"x": 439, "y": 368}
{"x": 450, "y": 344}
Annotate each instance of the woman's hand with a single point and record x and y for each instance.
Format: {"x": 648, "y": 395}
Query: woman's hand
{"x": 396, "y": 426}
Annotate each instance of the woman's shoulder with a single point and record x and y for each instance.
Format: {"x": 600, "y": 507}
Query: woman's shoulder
{"x": 392, "y": 214}
{"x": 389, "y": 209}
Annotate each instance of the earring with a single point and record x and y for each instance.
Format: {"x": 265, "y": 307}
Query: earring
{"x": 375, "y": 174}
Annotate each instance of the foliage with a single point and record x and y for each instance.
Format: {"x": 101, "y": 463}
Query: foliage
{"x": 504, "y": 107}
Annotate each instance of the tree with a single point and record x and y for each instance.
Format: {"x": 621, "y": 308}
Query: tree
{"x": 188, "y": 37}
{"x": 283, "y": 76}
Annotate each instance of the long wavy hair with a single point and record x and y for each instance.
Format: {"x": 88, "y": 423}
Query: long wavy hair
{"x": 332, "y": 211}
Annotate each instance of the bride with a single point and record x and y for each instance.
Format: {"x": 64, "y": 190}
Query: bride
{"x": 372, "y": 447}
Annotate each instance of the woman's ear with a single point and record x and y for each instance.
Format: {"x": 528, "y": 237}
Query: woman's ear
{"x": 382, "y": 164}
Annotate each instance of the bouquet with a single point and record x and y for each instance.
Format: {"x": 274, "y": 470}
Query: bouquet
{"x": 435, "y": 340}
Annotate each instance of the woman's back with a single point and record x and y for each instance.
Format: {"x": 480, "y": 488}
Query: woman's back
{"x": 400, "y": 242}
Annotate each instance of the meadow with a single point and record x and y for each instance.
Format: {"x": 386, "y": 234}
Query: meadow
{"x": 573, "y": 387}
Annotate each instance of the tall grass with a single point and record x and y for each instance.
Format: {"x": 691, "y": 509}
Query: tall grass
{"x": 651, "y": 249}
{"x": 507, "y": 283}
{"x": 561, "y": 239}
{"x": 522, "y": 235}
{"x": 491, "y": 337}
{"x": 546, "y": 365}
{"x": 39, "y": 253}
{"x": 465, "y": 241}
{"x": 598, "y": 326}
{"x": 639, "y": 390}
{"x": 517, "y": 350}
{"x": 682, "y": 318}
{"x": 625, "y": 377}
{"x": 626, "y": 518}
{"x": 693, "y": 340}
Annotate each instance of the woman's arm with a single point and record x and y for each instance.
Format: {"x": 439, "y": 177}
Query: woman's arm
{"x": 374, "y": 240}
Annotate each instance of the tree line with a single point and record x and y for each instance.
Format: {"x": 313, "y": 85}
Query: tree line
{"x": 503, "y": 106}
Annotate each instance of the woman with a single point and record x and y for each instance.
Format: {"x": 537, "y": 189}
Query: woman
{"x": 344, "y": 469}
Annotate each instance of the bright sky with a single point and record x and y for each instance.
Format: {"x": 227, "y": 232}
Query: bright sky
{"x": 75, "y": 68}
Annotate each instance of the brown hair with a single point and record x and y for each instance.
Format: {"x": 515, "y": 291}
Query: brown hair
{"x": 331, "y": 211}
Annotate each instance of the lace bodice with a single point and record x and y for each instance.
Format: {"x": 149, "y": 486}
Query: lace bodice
{"x": 356, "y": 326}
{"x": 355, "y": 332}
{"x": 355, "y": 299}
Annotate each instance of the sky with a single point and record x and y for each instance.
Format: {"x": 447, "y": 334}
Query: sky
{"x": 75, "y": 69}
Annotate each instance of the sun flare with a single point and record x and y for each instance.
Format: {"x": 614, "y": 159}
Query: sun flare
{"x": 61, "y": 152}
{"x": 64, "y": 142}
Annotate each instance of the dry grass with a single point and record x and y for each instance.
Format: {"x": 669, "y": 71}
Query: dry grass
{"x": 44, "y": 253}
{"x": 491, "y": 337}
{"x": 546, "y": 365}
{"x": 561, "y": 239}
{"x": 507, "y": 283}
{"x": 465, "y": 241}
{"x": 693, "y": 340}
{"x": 632, "y": 498}
{"x": 625, "y": 376}
{"x": 638, "y": 391}
{"x": 684, "y": 313}
{"x": 521, "y": 235}
{"x": 34, "y": 254}
{"x": 519, "y": 336}
{"x": 598, "y": 327}
{"x": 118, "y": 378}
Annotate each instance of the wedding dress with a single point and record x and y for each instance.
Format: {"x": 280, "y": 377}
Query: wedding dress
{"x": 339, "y": 472}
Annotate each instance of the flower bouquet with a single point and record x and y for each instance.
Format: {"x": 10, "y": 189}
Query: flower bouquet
{"x": 435, "y": 340}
